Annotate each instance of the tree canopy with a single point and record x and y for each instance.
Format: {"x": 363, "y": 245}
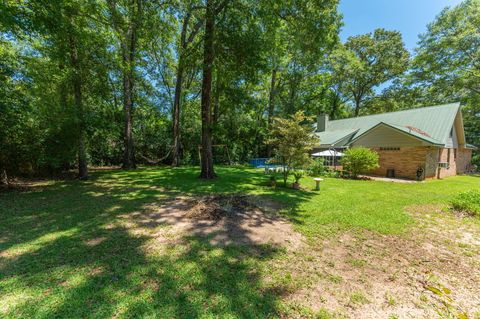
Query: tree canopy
{"x": 293, "y": 139}
{"x": 121, "y": 82}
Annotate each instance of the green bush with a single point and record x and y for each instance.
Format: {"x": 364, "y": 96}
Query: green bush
{"x": 467, "y": 202}
{"x": 317, "y": 168}
{"x": 476, "y": 159}
{"x": 298, "y": 174}
{"x": 359, "y": 160}
{"x": 331, "y": 173}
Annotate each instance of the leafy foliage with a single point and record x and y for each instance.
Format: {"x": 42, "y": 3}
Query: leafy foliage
{"x": 359, "y": 160}
{"x": 467, "y": 202}
{"x": 372, "y": 59}
{"x": 292, "y": 139}
{"x": 317, "y": 168}
{"x": 446, "y": 67}
{"x": 298, "y": 175}
{"x": 135, "y": 61}
{"x": 70, "y": 71}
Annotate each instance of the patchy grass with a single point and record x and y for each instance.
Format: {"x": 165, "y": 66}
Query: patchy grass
{"x": 358, "y": 298}
{"x": 73, "y": 250}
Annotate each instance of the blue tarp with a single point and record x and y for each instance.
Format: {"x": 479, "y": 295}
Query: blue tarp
{"x": 258, "y": 162}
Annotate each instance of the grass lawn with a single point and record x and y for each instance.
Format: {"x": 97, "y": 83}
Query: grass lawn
{"x": 67, "y": 252}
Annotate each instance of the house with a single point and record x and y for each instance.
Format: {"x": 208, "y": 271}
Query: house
{"x": 428, "y": 141}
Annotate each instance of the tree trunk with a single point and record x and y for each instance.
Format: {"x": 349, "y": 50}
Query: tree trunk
{"x": 176, "y": 115}
{"x": 357, "y": 106}
{"x": 77, "y": 93}
{"x": 216, "y": 102}
{"x": 271, "y": 106}
{"x": 183, "y": 52}
{"x": 335, "y": 103}
{"x": 128, "y": 83}
{"x": 206, "y": 158}
{"x": 132, "y": 20}
{"x": 3, "y": 177}
{"x": 178, "y": 93}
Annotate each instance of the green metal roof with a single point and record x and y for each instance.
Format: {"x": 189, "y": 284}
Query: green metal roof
{"x": 431, "y": 124}
{"x": 336, "y": 136}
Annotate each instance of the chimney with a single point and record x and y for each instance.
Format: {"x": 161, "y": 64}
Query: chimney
{"x": 322, "y": 122}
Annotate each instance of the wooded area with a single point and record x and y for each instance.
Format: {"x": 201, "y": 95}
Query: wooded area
{"x": 123, "y": 82}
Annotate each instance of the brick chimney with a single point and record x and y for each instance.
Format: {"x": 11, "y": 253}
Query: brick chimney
{"x": 322, "y": 122}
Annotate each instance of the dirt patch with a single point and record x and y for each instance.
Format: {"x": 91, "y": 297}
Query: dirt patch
{"x": 430, "y": 272}
{"x": 225, "y": 220}
{"x": 218, "y": 207}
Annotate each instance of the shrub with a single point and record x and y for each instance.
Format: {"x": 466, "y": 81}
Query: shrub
{"x": 467, "y": 202}
{"x": 292, "y": 140}
{"x": 317, "y": 168}
{"x": 330, "y": 173}
{"x": 298, "y": 174}
{"x": 272, "y": 181}
{"x": 476, "y": 160}
{"x": 359, "y": 160}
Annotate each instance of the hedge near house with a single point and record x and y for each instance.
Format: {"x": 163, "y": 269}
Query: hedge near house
{"x": 359, "y": 160}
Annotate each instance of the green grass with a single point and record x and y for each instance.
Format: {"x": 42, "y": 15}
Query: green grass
{"x": 48, "y": 269}
{"x": 358, "y": 298}
{"x": 376, "y": 206}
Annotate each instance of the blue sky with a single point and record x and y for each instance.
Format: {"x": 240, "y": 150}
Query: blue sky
{"x": 410, "y": 17}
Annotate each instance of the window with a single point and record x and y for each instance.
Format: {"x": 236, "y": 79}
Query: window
{"x": 454, "y": 154}
{"x": 448, "y": 156}
{"x": 444, "y": 165}
{"x": 390, "y": 149}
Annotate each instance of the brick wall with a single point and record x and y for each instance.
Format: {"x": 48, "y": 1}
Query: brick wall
{"x": 405, "y": 161}
{"x": 431, "y": 163}
{"x": 447, "y": 155}
{"x": 464, "y": 159}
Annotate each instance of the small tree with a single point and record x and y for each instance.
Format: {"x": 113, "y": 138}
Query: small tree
{"x": 292, "y": 139}
{"x": 359, "y": 160}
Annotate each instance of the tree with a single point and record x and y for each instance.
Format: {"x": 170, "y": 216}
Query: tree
{"x": 299, "y": 36}
{"x": 359, "y": 160}
{"x": 206, "y": 159}
{"x": 88, "y": 81}
{"x": 15, "y": 114}
{"x": 213, "y": 8}
{"x": 340, "y": 66}
{"x": 65, "y": 34}
{"x": 292, "y": 139}
{"x": 447, "y": 62}
{"x": 126, "y": 21}
{"x": 373, "y": 59}
{"x": 187, "y": 37}
{"x": 448, "y": 55}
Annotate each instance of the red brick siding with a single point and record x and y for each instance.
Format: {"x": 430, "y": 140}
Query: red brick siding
{"x": 447, "y": 155}
{"x": 464, "y": 159}
{"x": 405, "y": 162}
{"x": 431, "y": 163}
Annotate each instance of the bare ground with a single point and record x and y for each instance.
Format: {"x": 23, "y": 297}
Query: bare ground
{"x": 224, "y": 220}
{"x": 432, "y": 271}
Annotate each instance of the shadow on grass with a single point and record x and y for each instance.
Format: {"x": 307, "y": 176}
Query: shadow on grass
{"x": 64, "y": 253}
